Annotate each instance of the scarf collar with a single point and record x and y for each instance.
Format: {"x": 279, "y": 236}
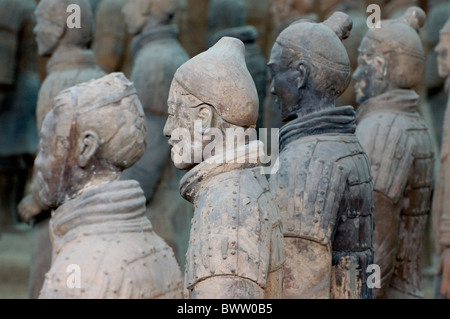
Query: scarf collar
{"x": 73, "y": 59}
{"x": 160, "y": 32}
{"x": 399, "y": 100}
{"x": 118, "y": 206}
{"x": 246, "y": 156}
{"x": 336, "y": 120}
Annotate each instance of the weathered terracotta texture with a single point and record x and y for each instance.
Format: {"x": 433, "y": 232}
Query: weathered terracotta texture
{"x": 395, "y": 136}
{"x": 228, "y": 18}
{"x": 19, "y": 87}
{"x": 236, "y": 244}
{"x": 441, "y": 198}
{"x": 110, "y": 40}
{"x": 157, "y": 55}
{"x": 324, "y": 186}
{"x": 94, "y": 131}
{"x": 356, "y": 9}
{"x": 439, "y": 11}
{"x": 70, "y": 63}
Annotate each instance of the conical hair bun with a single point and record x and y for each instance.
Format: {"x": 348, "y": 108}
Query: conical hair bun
{"x": 415, "y": 17}
{"x": 340, "y": 23}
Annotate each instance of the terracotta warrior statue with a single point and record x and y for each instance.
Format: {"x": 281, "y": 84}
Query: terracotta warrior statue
{"x": 391, "y": 63}
{"x": 157, "y": 55}
{"x": 441, "y": 198}
{"x": 324, "y": 186}
{"x": 19, "y": 87}
{"x": 94, "y": 131}
{"x": 439, "y": 11}
{"x": 110, "y": 39}
{"x": 228, "y": 18}
{"x": 70, "y": 63}
{"x": 236, "y": 244}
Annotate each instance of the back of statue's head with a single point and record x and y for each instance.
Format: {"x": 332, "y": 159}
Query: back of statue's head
{"x": 110, "y": 107}
{"x": 320, "y": 45}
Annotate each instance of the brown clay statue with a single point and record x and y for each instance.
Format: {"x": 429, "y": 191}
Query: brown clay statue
{"x": 228, "y": 19}
{"x": 395, "y": 136}
{"x": 157, "y": 55}
{"x": 99, "y": 230}
{"x": 441, "y": 199}
{"x": 110, "y": 39}
{"x": 236, "y": 244}
{"x": 19, "y": 87}
{"x": 70, "y": 63}
{"x": 323, "y": 187}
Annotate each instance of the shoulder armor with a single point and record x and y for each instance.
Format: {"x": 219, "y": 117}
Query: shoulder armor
{"x": 233, "y": 230}
{"x": 309, "y": 191}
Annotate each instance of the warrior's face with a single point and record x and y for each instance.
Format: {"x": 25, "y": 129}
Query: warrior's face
{"x": 47, "y": 31}
{"x": 443, "y": 55}
{"x": 51, "y": 161}
{"x": 371, "y": 74}
{"x": 285, "y": 79}
{"x": 180, "y": 127}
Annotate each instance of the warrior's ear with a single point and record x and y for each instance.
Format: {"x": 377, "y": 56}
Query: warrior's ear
{"x": 381, "y": 66}
{"x": 205, "y": 113}
{"x": 87, "y": 147}
{"x": 303, "y": 73}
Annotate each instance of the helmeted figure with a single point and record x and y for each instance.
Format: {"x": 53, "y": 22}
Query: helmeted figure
{"x": 228, "y": 19}
{"x": 395, "y": 136}
{"x": 19, "y": 87}
{"x": 324, "y": 186}
{"x": 94, "y": 131}
{"x": 356, "y": 9}
{"x": 441, "y": 197}
{"x": 70, "y": 63}
{"x": 236, "y": 245}
{"x": 157, "y": 55}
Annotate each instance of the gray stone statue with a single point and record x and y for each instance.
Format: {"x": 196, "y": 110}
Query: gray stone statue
{"x": 324, "y": 185}
{"x": 236, "y": 242}
{"x": 395, "y": 135}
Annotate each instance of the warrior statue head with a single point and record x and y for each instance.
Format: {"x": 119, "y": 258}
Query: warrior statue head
{"x": 443, "y": 51}
{"x": 52, "y": 30}
{"x": 94, "y": 131}
{"x": 391, "y": 57}
{"x": 224, "y": 14}
{"x": 310, "y": 65}
{"x": 142, "y": 14}
{"x": 215, "y": 89}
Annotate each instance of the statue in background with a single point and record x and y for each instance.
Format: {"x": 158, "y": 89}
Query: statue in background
{"x": 70, "y": 63}
{"x": 395, "y": 135}
{"x": 19, "y": 87}
{"x": 441, "y": 198}
{"x": 157, "y": 55}
{"x": 324, "y": 186}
